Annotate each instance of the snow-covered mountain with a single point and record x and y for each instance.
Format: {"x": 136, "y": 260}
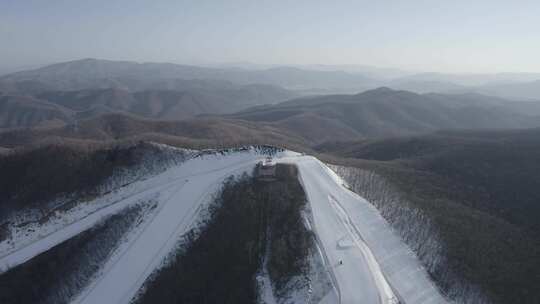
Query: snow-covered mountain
{"x": 142, "y": 223}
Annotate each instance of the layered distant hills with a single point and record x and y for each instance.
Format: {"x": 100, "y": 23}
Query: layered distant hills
{"x": 320, "y": 79}
{"x": 53, "y": 107}
{"x": 385, "y": 112}
{"x": 457, "y": 155}
{"x": 93, "y": 73}
{"x": 65, "y": 98}
{"x": 306, "y": 121}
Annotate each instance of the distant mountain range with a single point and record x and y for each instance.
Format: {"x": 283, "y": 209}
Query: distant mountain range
{"x": 93, "y": 73}
{"x": 27, "y": 111}
{"x": 198, "y": 97}
{"x": 306, "y": 79}
{"x": 453, "y": 158}
{"x": 385, "y": 112}
{"x": 525, "y": 91}
{"x": 306, "y": 121}
{"x": 61, "y": 99}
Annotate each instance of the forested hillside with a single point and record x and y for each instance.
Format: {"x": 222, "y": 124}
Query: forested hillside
{"x": 479, "y": 190}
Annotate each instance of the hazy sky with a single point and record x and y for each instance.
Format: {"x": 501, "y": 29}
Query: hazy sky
{"x": 428, "y": 35}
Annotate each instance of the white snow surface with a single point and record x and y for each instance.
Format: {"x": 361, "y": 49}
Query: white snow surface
{"x": 377, "y": 267}
{"x": 26, "y": 227}
{"x": 194, "y": 183}
{"x": 37, "y": 238}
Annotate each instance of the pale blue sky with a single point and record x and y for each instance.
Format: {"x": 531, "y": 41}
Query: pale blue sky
{"x": 426, "y": 35}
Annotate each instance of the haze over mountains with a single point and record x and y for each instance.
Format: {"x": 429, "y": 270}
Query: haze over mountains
{"x": 66, "y": 92}
{"x": 95, "y": 73}
{"x": 437, "y": 140}
{"x": 269, "y": 152}
{"x": 307, "y": 121}
{"x": 385, "y": 112}
{"x": 60, "y": 98}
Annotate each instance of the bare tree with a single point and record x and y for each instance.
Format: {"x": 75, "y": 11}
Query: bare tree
{"x": 416, "y": 229}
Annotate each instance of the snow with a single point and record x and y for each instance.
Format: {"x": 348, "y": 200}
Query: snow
{"x": 355, "y": 278}
{"x": 177, "y": 214}
{"x": 330, "y": 298}
{"x": 27, "y": 226}
{"x": 37, "y": 237}
{"x": 377, "y": 265}
{"x": 345, "y": 242}
{"x": 149, "y": 211}
{"x": 264, "y": 284}
{"x": 47, "y": 241}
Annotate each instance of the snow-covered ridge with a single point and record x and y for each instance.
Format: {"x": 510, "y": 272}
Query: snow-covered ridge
{"x": 120, "y": 191}
{"x": 368, "y": 262}
{"x": 414, "y": 227}
{"x": 198, "y": 179}
{"x": 27, "y": 226}
{"x": 371, "y": 263}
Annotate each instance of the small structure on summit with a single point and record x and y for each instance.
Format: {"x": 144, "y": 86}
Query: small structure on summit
{"x": 266, "y": 169}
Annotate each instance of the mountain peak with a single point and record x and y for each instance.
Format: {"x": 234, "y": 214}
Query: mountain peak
{"x": 383, "y": 89}
{"x": 379, "y": 90}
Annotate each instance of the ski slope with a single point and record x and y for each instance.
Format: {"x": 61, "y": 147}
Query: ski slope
{"x": 26, "y": 247}
{"x": 359, "y": 279}
{"x": 177, "y": 215}
{"x": 376, "y": 266}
